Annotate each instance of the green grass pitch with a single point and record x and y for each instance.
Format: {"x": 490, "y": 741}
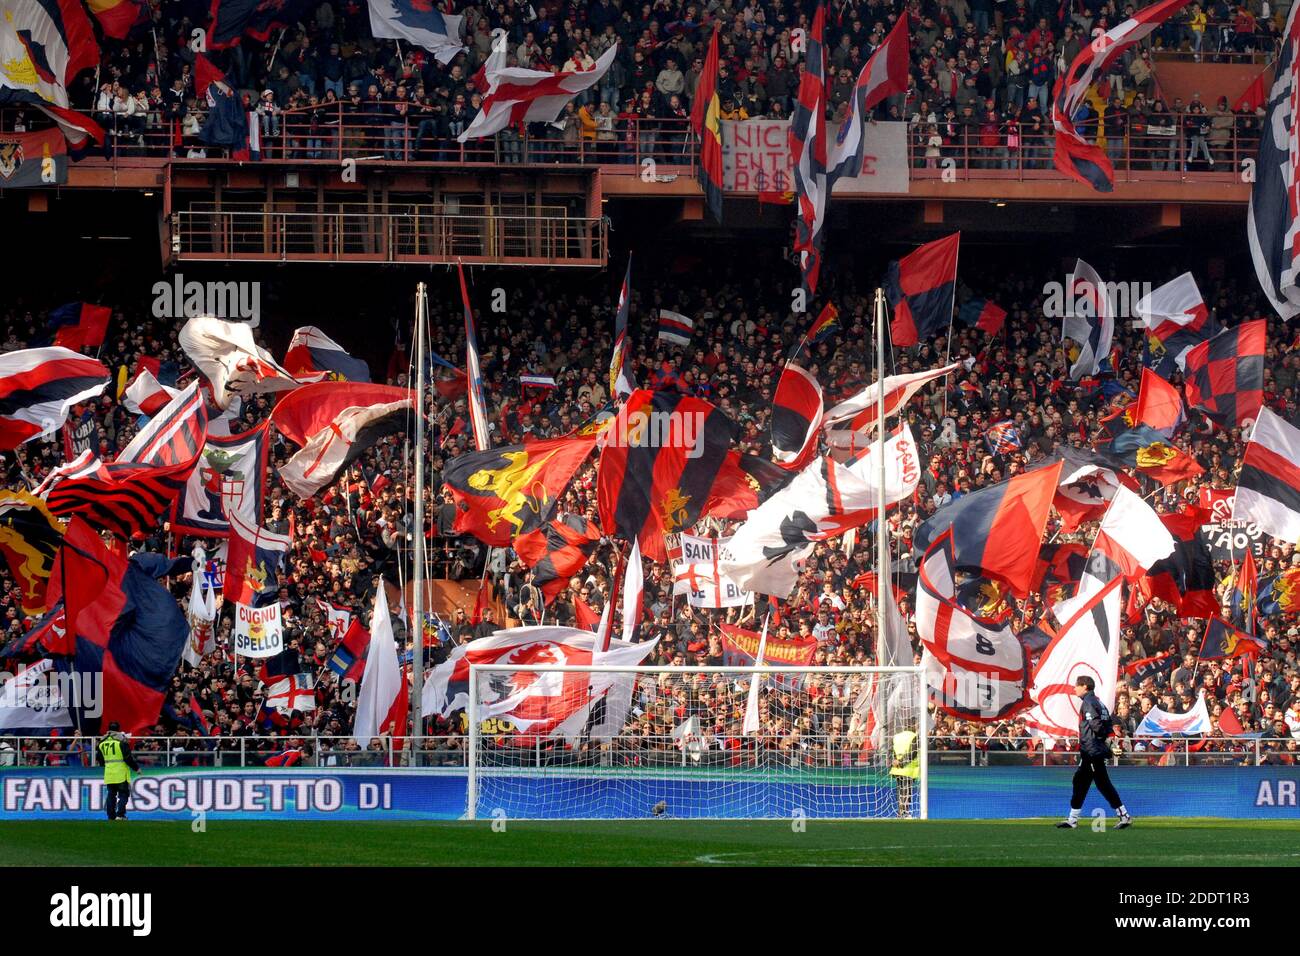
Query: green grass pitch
{"x": 1152, "y": 842}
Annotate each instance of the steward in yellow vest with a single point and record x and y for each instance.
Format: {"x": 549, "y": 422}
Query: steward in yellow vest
{"x": 115, "y": 754}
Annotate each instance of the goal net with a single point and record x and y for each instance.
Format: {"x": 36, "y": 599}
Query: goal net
{"x": 586, "y": 742}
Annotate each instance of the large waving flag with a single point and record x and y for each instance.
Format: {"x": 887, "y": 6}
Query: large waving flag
{"x": 516, "y": 95}
{"x": 129, "y": 495}
{"x": 477, "y": 406}
{"x": 1225, "y": 375}
{"x": 503, "y": 493}
{"x": 419, "y": 22}
{"x": 231, "y": 361}
{"x": 537, "y": 704}
{"x": 1087, "y": 484}
{"x": 80, "y": 325}
{"x": 1131, "y": 539}
{"x": 1146, "y": 449}
{"x": 1184, "y": 578}
{"x": 975, "y": 668}
{"x": 705, "y": 112}
{"x": 557, "y": 551}
{"x": 885, "y": 74}
{"x": 1268, "y": 485}
{"x": 826, "y": 499}
{"x": 1176, "y": 320}
{"x": 1089, "y": 320}
{"x": 382, "y": 701}
{"x": 849, "y": 424}
{"x": 660, "y": 458}
{"x": 796, "y": 417}
{"x": 231, "y": 470}
{"x": 254, "y": 558}
{"x": 335, "y": 423}
{"x": 997, "y": 530}
{"x": 1159, "y": 406}
{"x": 232, "y": 20}
{"x": 808, "y": 155}
{"x": 921, "y": 288}
{"x": 1271, "y": 216}
{"x": 1087, "y": 644}
{"x": 38, "y": 387}
{"x": 44, "y": 44}
{"x": 30, "y": 537}
{"x": 1077, "y": 157}
{"x": 314, "y": 356}
{"x": 126, "y": 630}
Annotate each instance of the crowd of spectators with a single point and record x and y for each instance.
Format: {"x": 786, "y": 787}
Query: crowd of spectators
{"x": 363, "y": 525}
{"x": 982, "y": 73}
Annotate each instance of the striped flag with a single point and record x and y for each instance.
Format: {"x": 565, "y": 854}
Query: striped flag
{"x": 1268, "y": 486}
{"x": 705, "y": 113}
{"x": 546, "y": 382}
{"x": 38, "y": 387}
{"x": 885, "y": 74}
{"x": 808, "y": 155}
{"x": 675, "y": 327}
{"x": 1077, "y": 157}
{"x": 1271, "y": 215}
{"x": 477, "y": 408}
{"x": 133, "y": 492}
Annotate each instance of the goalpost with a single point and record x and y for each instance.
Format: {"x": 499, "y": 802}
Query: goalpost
{"x": 547, "y": 742}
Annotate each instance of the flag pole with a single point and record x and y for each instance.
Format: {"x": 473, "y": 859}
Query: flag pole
{"x": 417, "y": 556}
{"x": 882, "y": 537}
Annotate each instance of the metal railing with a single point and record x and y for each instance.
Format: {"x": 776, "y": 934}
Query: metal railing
{"x": 998, "y": 750}
{"x": 1167, "y": 150}
{"x": 505, "y": 751}
{"x": 330, "y": 133}
{"x": 339, "y": 232}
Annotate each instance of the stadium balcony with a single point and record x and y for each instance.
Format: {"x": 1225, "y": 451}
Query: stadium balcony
{"x": 338, "y": 187}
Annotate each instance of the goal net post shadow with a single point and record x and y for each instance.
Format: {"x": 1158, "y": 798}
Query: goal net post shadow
{"x": 555, "y": 742}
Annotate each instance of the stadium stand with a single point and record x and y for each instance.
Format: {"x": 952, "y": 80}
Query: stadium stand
{"x": 323, "y": 90}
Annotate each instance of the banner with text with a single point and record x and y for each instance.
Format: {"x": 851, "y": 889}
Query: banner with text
{"x": 259, "y": 631}
{"x": 756, "y": 158}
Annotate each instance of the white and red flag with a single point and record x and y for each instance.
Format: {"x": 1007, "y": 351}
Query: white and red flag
{"x": 536, "y": 703}
{"x": 383, "y": 700}
{"x": 885, "y": 74}
{"x": 516, "y": 95}
{"x": 848, "y": 424}
{"x": 1076, "y": 156}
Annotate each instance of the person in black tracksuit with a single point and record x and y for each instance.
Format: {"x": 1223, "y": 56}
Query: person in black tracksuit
{"x": 1094, "y": 728}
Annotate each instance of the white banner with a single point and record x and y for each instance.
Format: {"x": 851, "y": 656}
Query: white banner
{"x": 697, "y": 576}
{"x": 756, "y": 158}
{"x": 259, "y": 631}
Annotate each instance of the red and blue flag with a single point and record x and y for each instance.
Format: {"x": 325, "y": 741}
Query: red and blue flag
{"x": 921, "y": 287}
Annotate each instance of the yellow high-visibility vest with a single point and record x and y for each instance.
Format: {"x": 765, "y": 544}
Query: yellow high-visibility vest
{"x": 115, "y": 768}
{"x": 903, "y": 741}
